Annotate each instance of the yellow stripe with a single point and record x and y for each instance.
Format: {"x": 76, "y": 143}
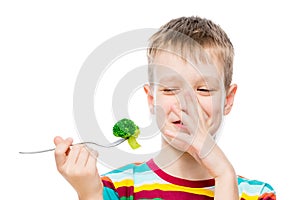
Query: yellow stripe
{"x": 126, "y": 183}
{"x": 170, "y": 187}
{"x": 246, "y": 196}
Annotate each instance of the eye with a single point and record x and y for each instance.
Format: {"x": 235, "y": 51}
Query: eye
{"x": 204, "y": 91}
{"x": 170, "y": 91}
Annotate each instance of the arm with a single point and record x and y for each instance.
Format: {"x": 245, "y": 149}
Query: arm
{"x": 226, "y": 187}
{"x": 78, "y": 166}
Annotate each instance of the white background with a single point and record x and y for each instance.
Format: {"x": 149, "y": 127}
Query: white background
{"x": 43, "y": 45}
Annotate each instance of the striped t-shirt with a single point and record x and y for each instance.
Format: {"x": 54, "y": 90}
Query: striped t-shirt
{"x": 147, "y": 181}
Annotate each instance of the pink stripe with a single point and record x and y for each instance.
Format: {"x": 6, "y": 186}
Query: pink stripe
{"x": 125, "y": 191}
{"x": 169, "y": 195}
{"x": 179, "y": 181}
{"x": 108, "y": 184}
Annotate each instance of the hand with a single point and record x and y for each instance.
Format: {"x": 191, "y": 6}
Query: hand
{"x": 194, "y": 136}
{"x": 78, "y": 166}
{"x": 197, "y": 141}
{"x": 194, "y": 133}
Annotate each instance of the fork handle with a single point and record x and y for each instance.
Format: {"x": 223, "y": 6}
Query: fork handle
{"x": 52, "y": 149}
{"x": 33, "y": 152}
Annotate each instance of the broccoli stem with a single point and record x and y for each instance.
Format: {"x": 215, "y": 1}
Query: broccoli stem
{"x": 133, "y": 143}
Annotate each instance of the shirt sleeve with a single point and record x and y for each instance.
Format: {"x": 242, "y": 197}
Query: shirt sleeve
{"x": 267, "y": 193}
{"x": 109, "y": 190}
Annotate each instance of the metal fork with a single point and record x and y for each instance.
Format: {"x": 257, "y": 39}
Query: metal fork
{"x": 113, "y": 144}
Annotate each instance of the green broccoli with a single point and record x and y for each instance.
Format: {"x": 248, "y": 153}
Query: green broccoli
{"x": 126, "y": 128}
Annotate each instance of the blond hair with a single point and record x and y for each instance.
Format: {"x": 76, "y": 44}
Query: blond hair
{"x": 190, "y": 37}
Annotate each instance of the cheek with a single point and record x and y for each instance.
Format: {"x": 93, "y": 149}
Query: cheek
{"x": 163, "y": 110}
{"x": 206, "y": 105}
{"x": 164, "y": 103}
{"x": 211, "y": 105}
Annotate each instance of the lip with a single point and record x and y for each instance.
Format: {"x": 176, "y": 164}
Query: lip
{"x": 180, "y": 126}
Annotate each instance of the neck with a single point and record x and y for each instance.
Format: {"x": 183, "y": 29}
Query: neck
{"x": 180, "y": 164}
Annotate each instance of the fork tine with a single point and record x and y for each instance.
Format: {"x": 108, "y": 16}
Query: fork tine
{"x": 116, "y": 142}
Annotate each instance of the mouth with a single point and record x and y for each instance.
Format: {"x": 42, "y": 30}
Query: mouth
{"x": 179, "y": 124}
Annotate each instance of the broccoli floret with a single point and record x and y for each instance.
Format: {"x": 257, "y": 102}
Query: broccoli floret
{"x": 126, "y": 128}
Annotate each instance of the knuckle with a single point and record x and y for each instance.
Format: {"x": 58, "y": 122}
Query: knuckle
{"x": 76, "y": 173}
{"x": 58, "y": 152}
{"x": 71, "y": 172}
{"x": 78, "y": 146}
{"x": 89, "y": 174}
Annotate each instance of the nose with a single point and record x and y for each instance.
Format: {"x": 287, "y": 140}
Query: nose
{"x": 182, "y": 100}
{"x": 187, "y": 99}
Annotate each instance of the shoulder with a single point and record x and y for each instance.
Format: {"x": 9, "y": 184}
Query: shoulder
{"x": 120, "y": 175}
{"x": 251, "y": 188}
{"x": 126, "y": 172}
{"x": 120, "y": 182}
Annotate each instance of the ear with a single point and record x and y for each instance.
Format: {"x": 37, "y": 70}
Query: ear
{"x": 149, "y": 92}
{"x": 230, "y": 94}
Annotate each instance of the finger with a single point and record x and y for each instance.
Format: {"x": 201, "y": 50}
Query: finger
{"x": 176, "y": 111}
{"x": 184, "y": 117}
{"x": 92, "y": 160}
{"x": 191, "y": 115}
{"x": 203, "y": 144}
{"x": 207, "y": 146}
{"x": 181, "y": 102}
{"x": 182, "y": 140}
{"x": 197, "y": 113}
{"x": 62, "y": 147}
{"x": 58, "y": 140}
{"x": 73, "y": 155}
{"x": 189, "y": 105}
{"x": 179, "y": 136}
{"x": 193, "y": 105}
{"x": 83, "y": 157}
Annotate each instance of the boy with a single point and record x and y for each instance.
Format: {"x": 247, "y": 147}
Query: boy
{"x": 189, "y": 91}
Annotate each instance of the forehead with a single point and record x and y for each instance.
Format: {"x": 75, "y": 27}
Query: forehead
{"x": 168, "y": 66}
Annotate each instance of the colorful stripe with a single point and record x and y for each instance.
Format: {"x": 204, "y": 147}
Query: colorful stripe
{"x": 153, "y": 194}
{"x": 147, "y": 181}
{"x": 172, "y": 187}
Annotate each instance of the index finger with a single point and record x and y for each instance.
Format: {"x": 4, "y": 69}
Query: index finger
{"x": 62, "y": 146}
{"x": 193, "y": 104}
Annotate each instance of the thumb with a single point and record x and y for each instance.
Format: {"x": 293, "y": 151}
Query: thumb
{"x": 61, "y": 150}
{"x": 58, "y": 140}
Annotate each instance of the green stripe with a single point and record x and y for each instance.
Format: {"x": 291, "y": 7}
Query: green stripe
{"x": 153, "y": 199}
{"x": 131, "y": 198}
{"x": 127, "y": 198}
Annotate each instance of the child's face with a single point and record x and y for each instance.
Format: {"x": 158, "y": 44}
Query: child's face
{"x": 174, "y": 79}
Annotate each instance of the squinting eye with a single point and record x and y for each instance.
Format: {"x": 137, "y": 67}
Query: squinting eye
{"x": 169, "y": 90}
{"x": 204, "y": 92}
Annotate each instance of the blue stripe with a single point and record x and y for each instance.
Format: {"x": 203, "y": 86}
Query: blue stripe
{"x": 109, "y": 193}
